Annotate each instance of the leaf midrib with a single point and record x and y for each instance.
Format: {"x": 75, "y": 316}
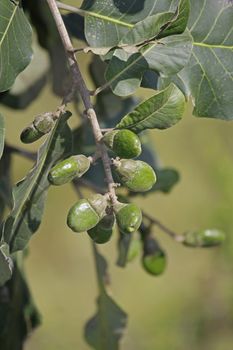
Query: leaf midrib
{"x": 212, "y": 46}
{"x": 172, "y": 88}
{"x": 8, "y": 25}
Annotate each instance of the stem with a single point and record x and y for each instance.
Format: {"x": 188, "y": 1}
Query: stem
{"x": 172, "y": 234}
{"x": 20, "y": 151}
{"x": 79, "y": 83}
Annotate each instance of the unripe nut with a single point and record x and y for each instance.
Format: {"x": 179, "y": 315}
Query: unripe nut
{"x": 128, "y": 217}
{"x": 84, "y": 214}
{"x": 102, "y": 232}
{"x": 124, "y": 143}
{"x": 204, "y": 238}
{"x": 154, "y": 258}
{"x": 30, "y": 134}
{"x": 136, "y": 175}
{"x": 68, "y": 169}
{"x": 44, "y": 122}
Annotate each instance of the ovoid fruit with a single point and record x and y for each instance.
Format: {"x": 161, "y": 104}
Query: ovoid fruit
{"x": 124, "y": 143}
{"x": 41, "y": 125}
{"x": 136, "y": 175}
{"x": 128, "y": 217}
{"x": 86, "y": 213}
{"x": 204, "y": 238}
{"x": 154, "y": 258}
{"x": 68, "y": 169}
{"x": 102, "y": 232}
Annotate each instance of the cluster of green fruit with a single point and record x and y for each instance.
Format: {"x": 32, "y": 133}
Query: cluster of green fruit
{"x": 97, "y": 214}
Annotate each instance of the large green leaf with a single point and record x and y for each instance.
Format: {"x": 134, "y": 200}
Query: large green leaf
{"x": 138, "y": 49}
{"x": 15, "y": 42}
{"x": 107, "y": 21}
{"x": 105, "y": 329}
{"x": 29, "y": 194}
{"x": 160, "y": 111}
{"x": 208, "y": 77}
{"x": 2, "y": 134}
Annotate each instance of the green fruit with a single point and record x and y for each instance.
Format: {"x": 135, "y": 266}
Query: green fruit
{"x": 41, "y": 125}
{"x": 128, "y": 216}
{"x": 136, "y": 175}
{"x": 102, "y": 232}
{"x": 124, "y": 143}
{"x": 204, "y": 238}
{"x": 30, "y": 134}
{"x": 86, "y": 213}
{"x": 68, "y": 169}
{"x": 44, "y": 122}
{"x": 154, "y": 259}
{"x": 134, "y": 249}
{"x": 154, "y": 264}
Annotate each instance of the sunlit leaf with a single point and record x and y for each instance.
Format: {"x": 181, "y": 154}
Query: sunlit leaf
{"x": 161, "y": 111}
{"x": 208, "y": 76}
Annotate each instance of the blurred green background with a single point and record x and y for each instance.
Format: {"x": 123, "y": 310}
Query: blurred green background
{"x": 191, "y": 305}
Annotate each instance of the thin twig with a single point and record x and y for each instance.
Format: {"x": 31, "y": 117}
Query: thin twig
{"x": 177, "y": 237}
{"x": 79, "y": 83}
{"x": 20, "y": 151}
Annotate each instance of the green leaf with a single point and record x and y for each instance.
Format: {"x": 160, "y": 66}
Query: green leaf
{"x": 160, "y": 111}
{"x": 105, "y": 329}
{"x": 29, "y": 194}
{"x": 167, "y": 57}
{"x": 6, "y": 264}
{"x": 15, "y": 42}
{"x": 5, "y": 183}
{"x": 2, "y": 134}
{"x": 19, "y": 315}
{"x": 208, "y": 76}
{"x": 30, "y": 82}
{"x": 106, "y": 22}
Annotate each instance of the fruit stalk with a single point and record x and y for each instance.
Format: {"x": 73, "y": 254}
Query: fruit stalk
{"x": 79, "y": 83}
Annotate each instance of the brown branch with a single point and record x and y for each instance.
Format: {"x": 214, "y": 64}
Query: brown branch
{"x": 20, "y": 151}
{"x": 177, "y": 237}
{"x": 79, "y": 83}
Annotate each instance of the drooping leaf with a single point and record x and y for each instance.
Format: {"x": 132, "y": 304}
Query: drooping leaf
{"x": 160, "y": 111}
{"x": 19, "y": 315}
{"x": 15, "y": 42}
{"x": 2, "y": 134}
{"x": 166, "y": 179}
{"x": 105, "y": 329}
{"x": 208, "y": 76}
{"x": 6, "y": 264}
{"x": 30, "y": 82}
{"x": 29, "y": 194}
